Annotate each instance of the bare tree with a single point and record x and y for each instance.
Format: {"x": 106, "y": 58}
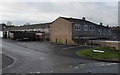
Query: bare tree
{"x": 9, "y": 23}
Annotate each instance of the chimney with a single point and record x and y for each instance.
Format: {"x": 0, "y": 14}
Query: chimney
{"x": 83, "y": 18}
{"x": 101, "y": 23}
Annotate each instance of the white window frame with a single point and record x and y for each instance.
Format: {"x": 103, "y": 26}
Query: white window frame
{"x": 77, "y": 26}
{"x": 104, "y": 32}
{"x": 99, "y": 31}
{"x": 86, "y": 27}
{"x": 109, "y": 32}
{"x": 92, "y": 28}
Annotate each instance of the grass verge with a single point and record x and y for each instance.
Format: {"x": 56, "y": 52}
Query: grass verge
{"x": 108, "y": 55}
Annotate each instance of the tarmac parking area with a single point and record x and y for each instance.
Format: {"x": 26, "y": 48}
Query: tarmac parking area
{"x": 46, "y": 57}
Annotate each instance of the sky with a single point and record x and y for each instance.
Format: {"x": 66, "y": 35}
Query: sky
{"x": 20, "y": 13}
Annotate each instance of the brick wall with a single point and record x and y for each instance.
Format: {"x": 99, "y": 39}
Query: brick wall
{"x": 113, "y": 44}
{"x": 61, "y": 31}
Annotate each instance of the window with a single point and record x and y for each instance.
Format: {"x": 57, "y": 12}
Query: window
{"x": 99, "y": 32}
{"x": 91, "y": 28}
{"x": 109, "y": 32}
{"x": 85, "y": 27}
{"x": 76, "y": 37}
{"x": 77, "y": 26}
{"x": 104, "y": 32}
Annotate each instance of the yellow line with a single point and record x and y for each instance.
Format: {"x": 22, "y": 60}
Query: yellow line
{"x": 10, "y": 64}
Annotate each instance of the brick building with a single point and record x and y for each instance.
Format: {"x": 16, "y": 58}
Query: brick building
{"x": 74, "y": 31}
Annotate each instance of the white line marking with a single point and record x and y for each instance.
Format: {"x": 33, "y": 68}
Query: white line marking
{"x": 69, "y": 47}
{"x": 11, "y": 64}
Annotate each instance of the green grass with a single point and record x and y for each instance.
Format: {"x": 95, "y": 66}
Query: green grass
{"x": 109, "y": 53}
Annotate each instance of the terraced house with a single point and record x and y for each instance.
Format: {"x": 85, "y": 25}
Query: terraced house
{"x": 74, "y": 31}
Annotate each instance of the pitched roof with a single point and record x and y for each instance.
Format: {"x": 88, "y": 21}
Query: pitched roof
{"x": 76, "y": 20}
{"x": 33, "y": 26}
{"x": 83, "y": 20}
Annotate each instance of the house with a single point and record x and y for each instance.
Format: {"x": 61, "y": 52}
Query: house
{"x": 116, "y": 33}
{"x": 104, "y": 32}
{"x": 43, "y": 28}
{"x": 74, "y": 31}
{"x": 2, "y": 28}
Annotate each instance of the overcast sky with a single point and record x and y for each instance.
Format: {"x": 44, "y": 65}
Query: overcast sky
{"x": 20, "y": 13}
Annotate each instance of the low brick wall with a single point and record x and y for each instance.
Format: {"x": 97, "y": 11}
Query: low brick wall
{"x": 113, "y": 44}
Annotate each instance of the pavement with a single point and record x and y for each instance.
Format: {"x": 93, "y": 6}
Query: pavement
{"x": 46, "y": 57}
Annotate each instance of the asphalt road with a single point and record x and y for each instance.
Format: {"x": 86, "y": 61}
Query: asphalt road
{"x": 45, "y": 57}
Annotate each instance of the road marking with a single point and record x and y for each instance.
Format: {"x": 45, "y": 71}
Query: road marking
{"x": 41, "y": 58}
{"x": 104, "y": 64}
{"x": 82, "y": 64}
{"x": 76, "y": 67}
{"x": 9, "y": 65}
{"x": 69, "y": 47}
{"x": 37, "y": 72}
{"x": 111, "y": 64}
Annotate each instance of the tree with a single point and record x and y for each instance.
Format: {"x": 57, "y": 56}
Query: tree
{"x": 9, "y": 23}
